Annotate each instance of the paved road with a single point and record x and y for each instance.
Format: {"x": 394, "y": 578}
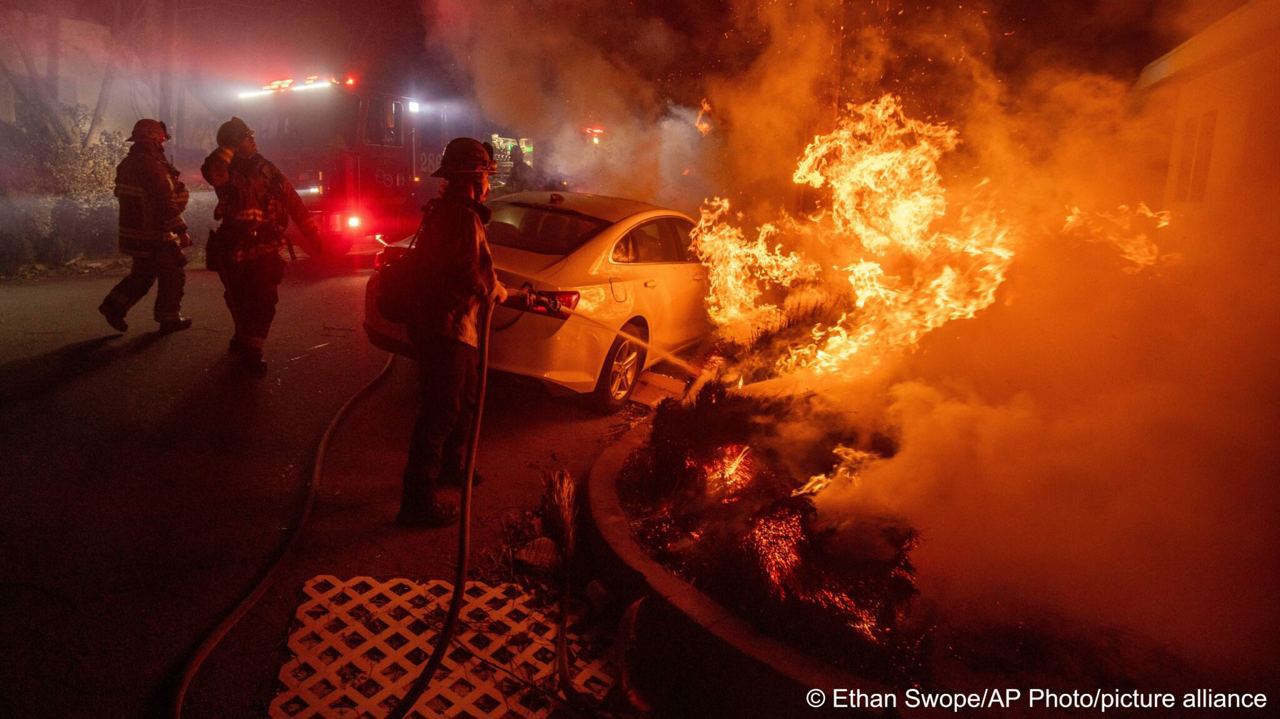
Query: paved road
{"x": 145, "y": 481}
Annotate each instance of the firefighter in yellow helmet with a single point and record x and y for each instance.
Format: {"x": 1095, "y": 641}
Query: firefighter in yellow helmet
{"x": 452, "y": 259}
{"x": 152, "y": 230}
{"x": 255, "y": 203}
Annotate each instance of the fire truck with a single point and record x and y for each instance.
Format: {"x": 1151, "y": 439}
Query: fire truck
{"x": 360, "y": 158}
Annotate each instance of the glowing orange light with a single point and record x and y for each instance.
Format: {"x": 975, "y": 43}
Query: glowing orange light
{"x": 902, "y": 270}
{"x": 729, "y": 473}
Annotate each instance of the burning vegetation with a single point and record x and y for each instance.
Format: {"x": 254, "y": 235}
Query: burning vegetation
{"x": 887, "y": 259}
{"x": 708, "y": 497}
{"x": 958, "y": 301}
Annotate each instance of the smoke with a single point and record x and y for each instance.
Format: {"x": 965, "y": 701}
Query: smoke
{"x": 550, "y": 70}
{"x": 1098, "y": 443}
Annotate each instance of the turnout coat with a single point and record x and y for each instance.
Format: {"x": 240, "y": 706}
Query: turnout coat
{"x": 152, "y": 200}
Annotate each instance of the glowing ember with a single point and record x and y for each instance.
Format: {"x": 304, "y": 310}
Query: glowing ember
{"x": 773, "y": 542}
{"x": 729, "y": 473}
{"x": 899, "y": 260}
{"x": 1127, "y": 229}
{"x": 861, "y": 620}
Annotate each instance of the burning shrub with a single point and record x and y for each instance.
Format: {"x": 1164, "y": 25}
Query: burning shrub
{"x": 708, "y": 498}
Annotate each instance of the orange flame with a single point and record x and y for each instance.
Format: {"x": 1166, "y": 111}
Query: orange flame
{"x": 740, "y": 271}
{"x": 847, "y": 472}
{"x": 703, "y": 120}
{"x": 901, "y": 262}
{"x": 1127, "y": 229}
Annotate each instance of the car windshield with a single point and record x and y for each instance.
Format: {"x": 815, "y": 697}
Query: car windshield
{"x": 541, "y": 229}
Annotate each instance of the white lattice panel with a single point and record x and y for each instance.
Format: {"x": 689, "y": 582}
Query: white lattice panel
{"x": 360, "y": 642}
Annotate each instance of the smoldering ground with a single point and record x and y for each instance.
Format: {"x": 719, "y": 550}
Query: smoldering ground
{"x": 1098, "y": 443}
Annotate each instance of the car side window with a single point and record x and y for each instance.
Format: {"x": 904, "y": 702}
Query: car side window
{"x": 680, "y": 230}
{"x": 654, "y": 243}
{"x": 625, "y": 250}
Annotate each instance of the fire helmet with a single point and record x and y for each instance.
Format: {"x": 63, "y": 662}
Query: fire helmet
{"x": 464, "y": 155}
{"x": 232, "y": 132}
{"x": 148, "y": 129}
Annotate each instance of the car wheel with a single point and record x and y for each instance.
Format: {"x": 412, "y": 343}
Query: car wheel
{"x": 621, "y": 370}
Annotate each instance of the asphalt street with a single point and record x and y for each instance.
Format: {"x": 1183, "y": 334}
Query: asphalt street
{"x": 145, "y": 481}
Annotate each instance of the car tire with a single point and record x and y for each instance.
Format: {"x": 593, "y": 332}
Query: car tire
{"x": 621, "y": 370}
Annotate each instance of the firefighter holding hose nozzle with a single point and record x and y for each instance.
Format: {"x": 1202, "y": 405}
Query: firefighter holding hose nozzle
{"x": 255, "y": 203}
{"x": 456, "y": 283}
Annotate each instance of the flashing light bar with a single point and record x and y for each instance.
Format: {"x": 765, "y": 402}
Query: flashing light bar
{"x": 311, "y": 86}
{"x": 312, "y": 82}
{"x": 353, "y": 221}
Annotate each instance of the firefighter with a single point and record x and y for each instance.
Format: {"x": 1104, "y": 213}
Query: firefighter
{"x": 452, "y": 258}
{"x": 255, "y": 202}
{"x": 521, "y": 177}
{"x": 152, "y": 231}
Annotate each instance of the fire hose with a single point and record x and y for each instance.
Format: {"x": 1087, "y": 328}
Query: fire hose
{"x": 423, "y": 681}
{"x": 211, "y": 641}
{"x": 445, "y": 637}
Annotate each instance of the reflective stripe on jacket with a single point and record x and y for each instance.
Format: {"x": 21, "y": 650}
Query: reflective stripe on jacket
{"x": 255, "y": 203}
{"x": 151, "y": 198}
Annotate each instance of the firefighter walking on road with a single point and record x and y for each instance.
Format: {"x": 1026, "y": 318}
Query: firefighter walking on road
{"x": 255, "y": 203}
{"x": 152, "y": 231}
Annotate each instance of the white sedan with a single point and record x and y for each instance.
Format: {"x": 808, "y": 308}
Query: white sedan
{"x": 622, "y": 273}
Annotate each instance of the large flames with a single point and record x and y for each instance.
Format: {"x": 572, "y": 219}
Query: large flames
{"x": 885, "y": 247}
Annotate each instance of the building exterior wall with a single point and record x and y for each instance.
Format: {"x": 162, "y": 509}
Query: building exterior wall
{"x": 1224, "y": 161}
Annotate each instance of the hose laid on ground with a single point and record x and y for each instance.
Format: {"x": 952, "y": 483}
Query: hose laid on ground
{"x": 445, "y": 637}
{"x": 237, "y": 613}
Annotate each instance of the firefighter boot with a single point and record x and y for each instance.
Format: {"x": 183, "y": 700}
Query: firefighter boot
{"x": 178, "y": 325}
{"x": 114, "y": 318}
{"x": 251, "y": 361}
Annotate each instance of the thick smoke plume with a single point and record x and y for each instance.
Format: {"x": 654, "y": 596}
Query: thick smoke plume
{"x": 1098, "y": 444}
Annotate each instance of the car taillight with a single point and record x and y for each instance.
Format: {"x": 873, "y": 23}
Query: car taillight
{"x": 564, "y": 300}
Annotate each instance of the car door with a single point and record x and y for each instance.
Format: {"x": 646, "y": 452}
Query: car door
{"x": 689, "y": 284}
{"x": 643, "y": 259}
